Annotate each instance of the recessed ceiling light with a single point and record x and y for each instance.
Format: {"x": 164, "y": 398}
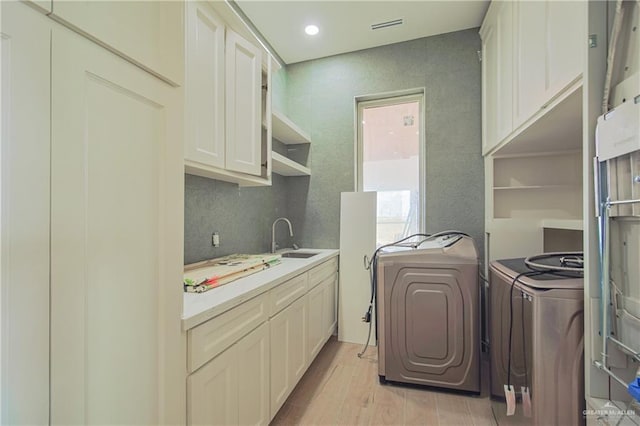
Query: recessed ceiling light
{"x": 311, "y": 29}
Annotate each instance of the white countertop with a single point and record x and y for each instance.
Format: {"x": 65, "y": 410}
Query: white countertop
{"x": 200, "y": 307}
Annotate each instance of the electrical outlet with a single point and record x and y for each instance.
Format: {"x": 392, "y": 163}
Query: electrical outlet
{"x": 215, "y": 239}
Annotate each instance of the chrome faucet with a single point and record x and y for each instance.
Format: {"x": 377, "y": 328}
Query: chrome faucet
{"x": 273, "y": 232}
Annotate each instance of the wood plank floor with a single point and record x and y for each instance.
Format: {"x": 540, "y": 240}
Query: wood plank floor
{"x": 341, "y": 389}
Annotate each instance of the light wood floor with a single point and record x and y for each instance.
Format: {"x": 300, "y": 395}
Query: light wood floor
{"x": 341, "y": 389}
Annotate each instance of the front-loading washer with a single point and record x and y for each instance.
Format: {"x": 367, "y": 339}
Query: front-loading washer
{"x": 428, "y": 314}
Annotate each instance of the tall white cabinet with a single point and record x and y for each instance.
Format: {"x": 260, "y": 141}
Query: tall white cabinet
{"x": 24, "y": 214}
{"x": 90, "y": 248}
{"x": 114, "y": 244}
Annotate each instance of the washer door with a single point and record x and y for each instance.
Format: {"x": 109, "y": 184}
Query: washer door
{"x": 432, "y": 322}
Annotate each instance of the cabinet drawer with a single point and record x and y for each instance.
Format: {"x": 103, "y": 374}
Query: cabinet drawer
{"x": 321, "y": 272}
{"x": 283, "y": 295}
{"x": 211, "y": 338}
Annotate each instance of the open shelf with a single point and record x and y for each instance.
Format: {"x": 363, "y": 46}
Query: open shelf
{"x": 569, "y": 224}
{"x": 286, "y": 167}
{"x": 286, "y": 131}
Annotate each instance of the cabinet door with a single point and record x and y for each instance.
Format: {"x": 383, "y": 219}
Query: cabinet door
{"x": 330, "y": 317}
{"x": 504, "y": 25}
{"x": 549, "y": 52}
{"x": 243, "y": 105}
{"x": 288, "y": 331}
{"x": 24, "y": 233}
{"x": 530, "y": 31}
{"x": 298, "y": 341}
{"x": 564, "y": 44}
{"x": 213, "y": 391}
{"x": 279, "y": 348}
{"x": 116, "y": 253}
{"x": 149, "y": 33}
{"x": 204, "y": 86}
{"x": 317, "y": 322}
{"x": 489, "y": 86}
{"x": 253, "y": 377}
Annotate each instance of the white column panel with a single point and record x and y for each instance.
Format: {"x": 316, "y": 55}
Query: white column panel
{"x": 357, "y": 239}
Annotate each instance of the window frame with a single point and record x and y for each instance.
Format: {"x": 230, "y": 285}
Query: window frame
{"x": 388, "y": 99}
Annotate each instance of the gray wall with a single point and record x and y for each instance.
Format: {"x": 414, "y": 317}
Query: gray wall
{"x": 320, "y": 98}
{"x": 242, "y": 217}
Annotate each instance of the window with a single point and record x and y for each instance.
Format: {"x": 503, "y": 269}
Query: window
{"x": 390, "y": 161}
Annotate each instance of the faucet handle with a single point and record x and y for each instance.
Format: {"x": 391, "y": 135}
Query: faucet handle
{"x": 295, "y": 246}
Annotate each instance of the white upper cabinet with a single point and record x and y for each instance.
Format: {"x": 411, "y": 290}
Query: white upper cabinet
{"x": 497, "y": 74}
{"x": 489, "y": 86}
{"x": 148, "y": 33}
{"x": 549, "y": 52}
{"x": 224, "y": 101}
{"x": 565, "y": 40}
{"x": 530, "y": 58}
{"x": 204, "y": 86}
{"x": 243, "y": 112}
{"x": 531, "y": 54}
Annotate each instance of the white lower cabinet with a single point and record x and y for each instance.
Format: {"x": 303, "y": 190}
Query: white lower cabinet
{"x": 244, "y": 377}
{"x": 330, "y": 319}
{"x": 233, "y": 388}
{"x": 322, "y": 314}
{"x": 212, "y": 391}
{"x": 288, "y": 332}
{"x": 253, "y": 377}
{"x": 316, "y": 300}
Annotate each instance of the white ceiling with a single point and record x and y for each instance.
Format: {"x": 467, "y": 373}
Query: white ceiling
{"x": 345, "y": 26}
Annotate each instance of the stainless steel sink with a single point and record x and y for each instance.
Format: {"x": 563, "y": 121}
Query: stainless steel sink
{"x": 299, "y": 254}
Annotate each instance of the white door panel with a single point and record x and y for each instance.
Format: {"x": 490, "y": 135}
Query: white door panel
{"x": 205, "y": 86}
{"x": 244, "y": 100}
{"x": 24, "y": 214}
{"x": 116, "y": 151}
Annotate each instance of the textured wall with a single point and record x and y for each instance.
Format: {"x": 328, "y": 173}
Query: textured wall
{"x": 320, "y": 96}
{"x": 242, "y": 217}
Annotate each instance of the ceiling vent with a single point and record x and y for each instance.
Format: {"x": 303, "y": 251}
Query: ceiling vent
{"x": 387, "y": 24}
